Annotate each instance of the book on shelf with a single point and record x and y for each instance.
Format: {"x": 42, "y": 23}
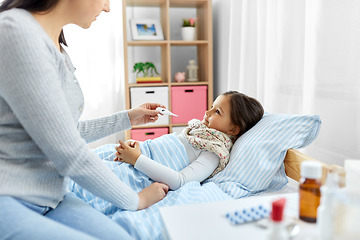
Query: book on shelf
{"x": 148, "y": 80}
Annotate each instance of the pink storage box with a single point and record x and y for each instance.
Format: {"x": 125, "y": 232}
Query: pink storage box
{"x": 188, "y": 102}
{"x": 148, "y": 133}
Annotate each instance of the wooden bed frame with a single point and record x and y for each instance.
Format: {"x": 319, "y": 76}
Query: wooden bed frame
{"x": 293, "y": 161}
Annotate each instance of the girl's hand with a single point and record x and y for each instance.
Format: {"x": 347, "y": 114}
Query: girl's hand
{"x": 128, "y": 152}
{"x": 129, "y": 143}
{"x": 144, "y": 113}
{"x": 152, "y": 194}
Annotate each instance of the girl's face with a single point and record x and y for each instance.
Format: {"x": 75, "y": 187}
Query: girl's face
{"x": 218, "y": 117}
{"x": 84, "y": 12}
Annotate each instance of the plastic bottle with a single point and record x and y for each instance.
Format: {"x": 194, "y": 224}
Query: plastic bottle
{"x": 277, "y": 230}
{"x": 309, "y": 192}
{"x": 325, "y": 212}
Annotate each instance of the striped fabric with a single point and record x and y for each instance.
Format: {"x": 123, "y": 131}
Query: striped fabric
{"x": 255, "y": 166}
{"x": 146, "y": 224}
{"x": 256, "y": 159}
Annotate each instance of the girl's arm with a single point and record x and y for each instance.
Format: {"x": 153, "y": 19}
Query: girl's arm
{"x": 198, "y": 170}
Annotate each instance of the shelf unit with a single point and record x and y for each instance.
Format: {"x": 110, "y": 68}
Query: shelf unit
{"x": 204, "y": 48}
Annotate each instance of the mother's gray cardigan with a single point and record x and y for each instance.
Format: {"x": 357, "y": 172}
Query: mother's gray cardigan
{"x": 42, "y": 141}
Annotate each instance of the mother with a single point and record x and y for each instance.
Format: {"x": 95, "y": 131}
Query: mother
{"x": 42, "y": 141}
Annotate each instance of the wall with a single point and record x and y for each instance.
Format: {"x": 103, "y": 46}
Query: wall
{"x": 97, "y": 53}
{"x": 221, "y": 33}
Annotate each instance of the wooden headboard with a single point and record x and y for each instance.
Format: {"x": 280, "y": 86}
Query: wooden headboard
{"x": 293, "y": 161}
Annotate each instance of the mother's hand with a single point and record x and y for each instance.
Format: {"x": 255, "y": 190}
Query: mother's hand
{"x": 144, "y": 113}
{"x": 152, "y": 194}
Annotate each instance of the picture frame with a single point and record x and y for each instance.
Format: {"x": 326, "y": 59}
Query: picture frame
{"x": 146, "y": 29}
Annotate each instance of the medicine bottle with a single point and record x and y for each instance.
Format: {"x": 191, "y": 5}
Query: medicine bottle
{"x": 325, "y": 212}
{"x": 277, "y": 230}
{"x": 309, "y": 192}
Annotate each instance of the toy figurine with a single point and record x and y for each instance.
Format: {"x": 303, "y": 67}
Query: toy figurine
{"x": 144, "y": 68}
{"x": 179, "y": 77}
{"x": 139, "y": 67}
{"x": 151, "y": 66}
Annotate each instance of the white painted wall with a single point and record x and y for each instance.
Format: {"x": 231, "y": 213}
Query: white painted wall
{"x": 221, "y": 22}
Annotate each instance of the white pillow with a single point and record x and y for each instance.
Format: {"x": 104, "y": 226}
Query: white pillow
{"x": 256, "y": 159}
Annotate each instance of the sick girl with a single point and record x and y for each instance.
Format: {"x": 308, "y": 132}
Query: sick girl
{"x": 206, "y": 144}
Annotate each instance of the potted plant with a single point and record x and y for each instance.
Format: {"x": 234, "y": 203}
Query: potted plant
{"x": 188, "y": 30}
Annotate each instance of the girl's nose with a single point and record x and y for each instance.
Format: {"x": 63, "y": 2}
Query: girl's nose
{"x": 208, "y": 112}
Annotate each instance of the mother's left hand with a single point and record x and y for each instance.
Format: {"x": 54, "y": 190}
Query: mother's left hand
{"x": 144, "y": 113}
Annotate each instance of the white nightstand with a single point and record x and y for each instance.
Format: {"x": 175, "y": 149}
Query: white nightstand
{"x": 208, "y": 221}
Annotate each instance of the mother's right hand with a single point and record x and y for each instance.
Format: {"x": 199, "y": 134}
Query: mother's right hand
{"x": 152, "y": 194}
{"x": 145, "y": 113}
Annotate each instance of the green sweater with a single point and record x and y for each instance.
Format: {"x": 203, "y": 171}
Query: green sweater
{"x": 42, "y": 141}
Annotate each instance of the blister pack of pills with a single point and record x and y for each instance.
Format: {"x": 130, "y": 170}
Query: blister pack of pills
{"x": 248, "y": 215}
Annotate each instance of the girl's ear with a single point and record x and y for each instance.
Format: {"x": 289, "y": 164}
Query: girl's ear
{"x": 234, "y": 130}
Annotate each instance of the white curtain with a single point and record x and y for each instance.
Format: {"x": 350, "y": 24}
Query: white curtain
{"x": 302, "y": 57}
{"x": 98, "y": 56}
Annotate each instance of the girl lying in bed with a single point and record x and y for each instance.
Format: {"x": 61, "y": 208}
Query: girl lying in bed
{"x": 204, "y": 146}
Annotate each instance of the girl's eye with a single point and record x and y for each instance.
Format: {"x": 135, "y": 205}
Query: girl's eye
{"x": 218, "y": 112}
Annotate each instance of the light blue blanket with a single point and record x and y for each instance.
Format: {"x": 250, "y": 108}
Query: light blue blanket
{"x": 146, "y": 224}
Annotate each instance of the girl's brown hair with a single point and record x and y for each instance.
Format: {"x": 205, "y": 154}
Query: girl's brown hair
{"x": 245, "y": 111}
{"x": 36, "y": 6}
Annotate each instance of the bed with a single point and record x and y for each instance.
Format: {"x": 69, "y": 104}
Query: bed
{"x": 293, "y": 161}
{"x": 262, "y": 161}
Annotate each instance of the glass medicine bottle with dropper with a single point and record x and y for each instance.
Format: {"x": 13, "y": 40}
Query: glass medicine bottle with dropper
{"x": 309, "y": 191}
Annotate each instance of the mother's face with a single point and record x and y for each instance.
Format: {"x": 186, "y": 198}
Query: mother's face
{"x": 84, "y": 12}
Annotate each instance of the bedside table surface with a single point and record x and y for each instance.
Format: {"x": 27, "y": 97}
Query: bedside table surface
{"x": 208, "y": 221}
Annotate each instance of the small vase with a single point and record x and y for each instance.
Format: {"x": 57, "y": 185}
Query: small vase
{"x": 188, "y": 33}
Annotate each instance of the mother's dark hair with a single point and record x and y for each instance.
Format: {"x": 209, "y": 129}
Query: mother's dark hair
{"x": 36, "y": 6}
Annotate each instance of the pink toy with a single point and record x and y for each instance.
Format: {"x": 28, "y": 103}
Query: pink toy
{"x": 179, "y": 77}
